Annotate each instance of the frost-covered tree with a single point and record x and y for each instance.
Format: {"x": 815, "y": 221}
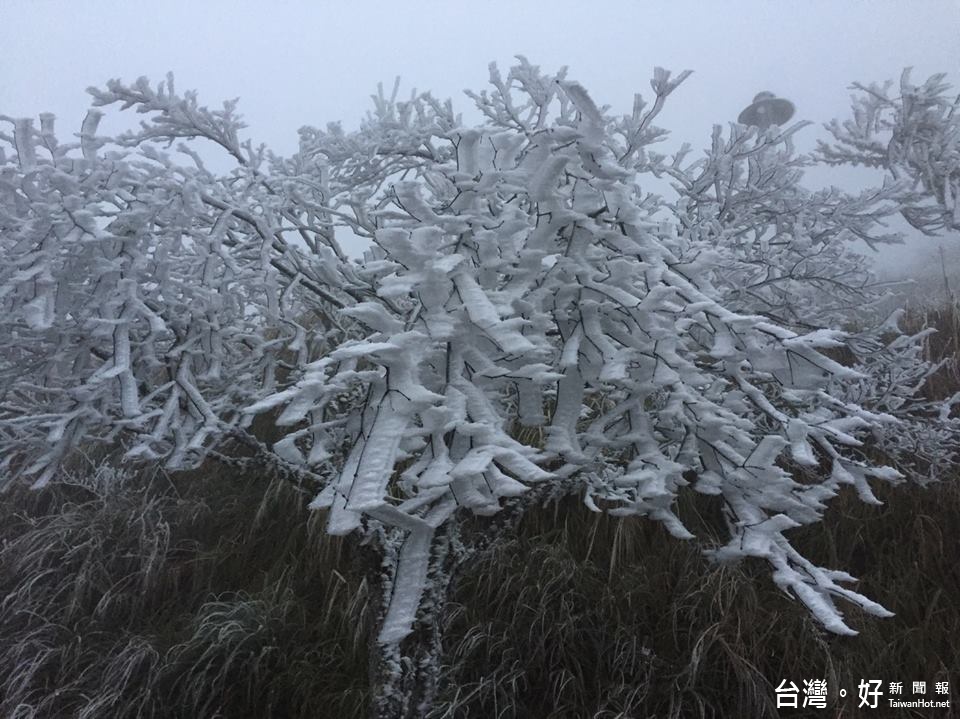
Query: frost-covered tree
{"x": 145, "y": 301}
{"x": 915, "y": 136}
{"x": 779, "y": 249}
{"x": 525, "y": 326}
{"x": 784, "y": 252}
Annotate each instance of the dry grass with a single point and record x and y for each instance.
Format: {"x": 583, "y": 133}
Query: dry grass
{"x": 584, "y": 615}
{"x": 205, "y": 599}
{"x": 942, "y": 346}
{"x": 178, "y": 597}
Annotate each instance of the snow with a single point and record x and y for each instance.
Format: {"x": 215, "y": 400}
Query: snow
{"x": 520, "y": 279}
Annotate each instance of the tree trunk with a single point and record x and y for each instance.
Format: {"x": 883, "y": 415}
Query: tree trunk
{"x": 404, "y": 678}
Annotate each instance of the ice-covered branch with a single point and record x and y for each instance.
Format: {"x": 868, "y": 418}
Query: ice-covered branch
{"x": 915, "y": 135}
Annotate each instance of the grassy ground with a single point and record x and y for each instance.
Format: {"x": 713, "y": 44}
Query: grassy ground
{"x": 587, "y": 616}
{"x": 209, "y": 595}
{"x": 177, "y": 597}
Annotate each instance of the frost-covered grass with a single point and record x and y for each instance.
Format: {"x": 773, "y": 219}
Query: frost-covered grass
{"x": 212, "y": 595}
{"x": 195, "y": 599}
{"x": 584, "y": 615}
{"x": 942, "y": 346}
{"x": 177, "y": 597}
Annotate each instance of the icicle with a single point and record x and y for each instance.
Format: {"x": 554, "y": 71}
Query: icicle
{"x": 88, "y": 134}
{"x": 23, "y": 139}
{"x": 408, "y": 586}
{"x": 379, "y": 452}
{"x": 563, "y": 429}
{"x": 530, "y": 401}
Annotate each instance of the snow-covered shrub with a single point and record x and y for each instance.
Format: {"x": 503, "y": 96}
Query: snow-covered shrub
{"x": 144, "y": 301}
{"x": 785, "y": 252}
{"x": 915, "y": 136}
{"x": 525, "y": 325}
{"x": 778, "y": 249}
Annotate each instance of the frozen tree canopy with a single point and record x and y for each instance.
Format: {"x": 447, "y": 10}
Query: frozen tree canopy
{"x": 526, "y": 317}
{"x": 916, "y": 136}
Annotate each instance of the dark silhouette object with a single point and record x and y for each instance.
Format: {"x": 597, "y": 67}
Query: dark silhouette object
{"x": 767, "y": 109}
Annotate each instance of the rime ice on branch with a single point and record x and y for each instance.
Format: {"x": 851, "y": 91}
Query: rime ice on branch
{"x": 535, "y": 290}
{"x": 915, "y": 135}
{"x": 525, "y": 318}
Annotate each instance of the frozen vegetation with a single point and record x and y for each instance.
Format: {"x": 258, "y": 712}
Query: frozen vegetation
{"x": 528, "y": 323}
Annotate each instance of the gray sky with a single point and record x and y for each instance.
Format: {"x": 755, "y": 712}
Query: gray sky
{"x": 296, "y": 63}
